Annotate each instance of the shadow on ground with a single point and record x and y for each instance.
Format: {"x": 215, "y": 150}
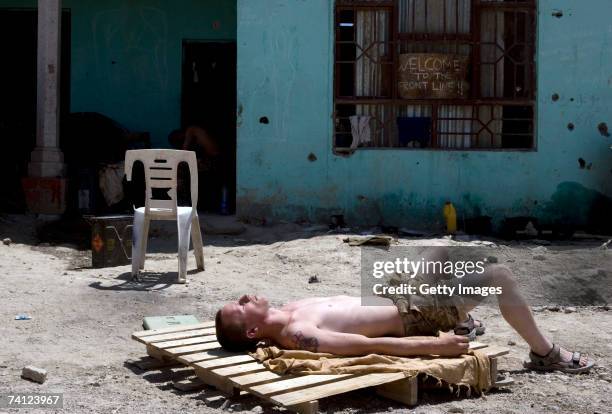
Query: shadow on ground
{"x": 431, "y": 393}
{"x": 226, "y": 231}
{"x": 146, "y": 281}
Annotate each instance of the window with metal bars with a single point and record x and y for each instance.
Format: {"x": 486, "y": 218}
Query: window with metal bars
{"x": 435, "y": 74}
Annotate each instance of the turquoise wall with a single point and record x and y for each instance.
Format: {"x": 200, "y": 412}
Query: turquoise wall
{"x": 285, "y": 71}
{"x": 126, "y": 56}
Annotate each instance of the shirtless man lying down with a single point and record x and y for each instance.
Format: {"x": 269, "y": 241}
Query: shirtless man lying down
{"x": 342, "y": 326}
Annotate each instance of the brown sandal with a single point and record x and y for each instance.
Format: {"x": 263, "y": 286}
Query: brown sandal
{"x": 553, "y": 362}
{"x": 469, "y": 329}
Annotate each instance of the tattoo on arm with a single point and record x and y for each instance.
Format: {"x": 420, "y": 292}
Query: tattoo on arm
{"x": 305, "y": 343}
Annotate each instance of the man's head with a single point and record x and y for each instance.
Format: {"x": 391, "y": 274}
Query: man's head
{"x": 238, "y": 324}
{"x": 176, "y": 138}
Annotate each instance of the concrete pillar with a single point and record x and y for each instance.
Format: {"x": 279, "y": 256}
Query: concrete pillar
{"x": 45, "y": 187}
{"x": 47, "y": 160}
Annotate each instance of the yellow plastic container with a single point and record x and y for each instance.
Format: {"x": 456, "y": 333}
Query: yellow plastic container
{"x": 450, "y": 217}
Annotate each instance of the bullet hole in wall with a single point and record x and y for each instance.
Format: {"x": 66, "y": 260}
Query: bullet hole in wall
{"x": 555, "y": 97}
{"x": 581, "y": 163}
{"x": 264, "y": 120}
{"x": 571, "y": 99}
{"x": 557, "y": 13}
{"x": 603, "y": 130}
{"x": 571, "y": 126}
{"x": 312, "y": 157}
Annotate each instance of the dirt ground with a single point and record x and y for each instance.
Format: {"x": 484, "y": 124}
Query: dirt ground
{"x": 82, "y": 318}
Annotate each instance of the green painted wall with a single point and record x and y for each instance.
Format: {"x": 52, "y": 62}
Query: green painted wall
{"x": 126, "y": 55}
{"x": 285, "y": 69}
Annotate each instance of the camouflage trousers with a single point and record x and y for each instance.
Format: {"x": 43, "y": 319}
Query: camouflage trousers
{"x": 425, "y": 315}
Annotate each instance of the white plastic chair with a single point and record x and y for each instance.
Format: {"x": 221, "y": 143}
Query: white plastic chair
{"x": 160, "y": 169}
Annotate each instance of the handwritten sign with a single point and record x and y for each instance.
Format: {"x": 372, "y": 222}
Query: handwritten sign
{"x": 433, "y": 75}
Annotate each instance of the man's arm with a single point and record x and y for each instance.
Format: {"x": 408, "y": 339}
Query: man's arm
{"x": 199, "y": 137}
{"x": 321, "y": 340}
{"x": 190, "y": 137}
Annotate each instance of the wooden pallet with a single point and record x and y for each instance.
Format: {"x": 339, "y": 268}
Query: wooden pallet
{"x": 235, "y": 373}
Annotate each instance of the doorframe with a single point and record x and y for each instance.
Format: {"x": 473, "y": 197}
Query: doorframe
{"x": 21, "y": 158}
{"x": 184, "y": 43}
{"x": 189, "y": 41}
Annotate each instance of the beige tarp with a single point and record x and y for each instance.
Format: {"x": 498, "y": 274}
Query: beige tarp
{"x": 471, "y": 370}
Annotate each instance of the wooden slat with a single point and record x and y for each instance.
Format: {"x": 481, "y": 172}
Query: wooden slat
{"x": 405, "y": 391}
{"x": 294, "y": 383}
{"x": 202, "y": 325}
{"x": 205, "y": 355}
{"x": 190, "y": 349}
{"x": 239, "y": 369}
{"x": 338, "y": 387}
{"x": 187, "y": 341}
{"x": 477, "y": 345}
{"x": 220, "y": 383}
{"x": 222, "y": 362}
{"x": 157, "y": 354}
{"x": 256, "y": 378}
{"x": 178, "y": 335}
{"x": 493, "y": 351}
{"x": 493, "y": 369}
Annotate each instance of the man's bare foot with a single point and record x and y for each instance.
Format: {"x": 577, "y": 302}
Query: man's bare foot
{"x": 566, "y": 356}
{"x": 559, "y": 359}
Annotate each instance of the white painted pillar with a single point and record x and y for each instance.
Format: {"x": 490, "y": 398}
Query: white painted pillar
{"x": 47, "y": 160}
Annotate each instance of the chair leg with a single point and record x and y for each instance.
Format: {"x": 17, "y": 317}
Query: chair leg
{"x": 184, "y": 229}
{"x": 137, "y": 240}
{"x": 196, "y": 239}
{"x": 145, "y": 240}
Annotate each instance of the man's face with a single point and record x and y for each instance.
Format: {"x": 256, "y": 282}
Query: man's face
{"x": 249, "y": 309}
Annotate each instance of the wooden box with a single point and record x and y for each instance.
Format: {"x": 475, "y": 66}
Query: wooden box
{"x": 111, "y": 240}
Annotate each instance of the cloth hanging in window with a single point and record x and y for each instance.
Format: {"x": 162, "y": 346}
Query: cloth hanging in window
{"x": 360, "y": 130}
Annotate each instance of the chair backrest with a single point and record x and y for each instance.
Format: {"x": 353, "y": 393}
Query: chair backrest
{"x": 160, "y": 169}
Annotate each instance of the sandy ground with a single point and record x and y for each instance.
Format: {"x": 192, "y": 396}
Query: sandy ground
{"x": 82, "y": 318}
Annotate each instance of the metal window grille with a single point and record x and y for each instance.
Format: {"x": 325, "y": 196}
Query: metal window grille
{"x": 495, "y": 39}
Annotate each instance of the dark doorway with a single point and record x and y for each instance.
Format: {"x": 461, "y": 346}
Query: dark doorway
{"x": 209, "y": 101}
{"x": 18, "y": 38}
